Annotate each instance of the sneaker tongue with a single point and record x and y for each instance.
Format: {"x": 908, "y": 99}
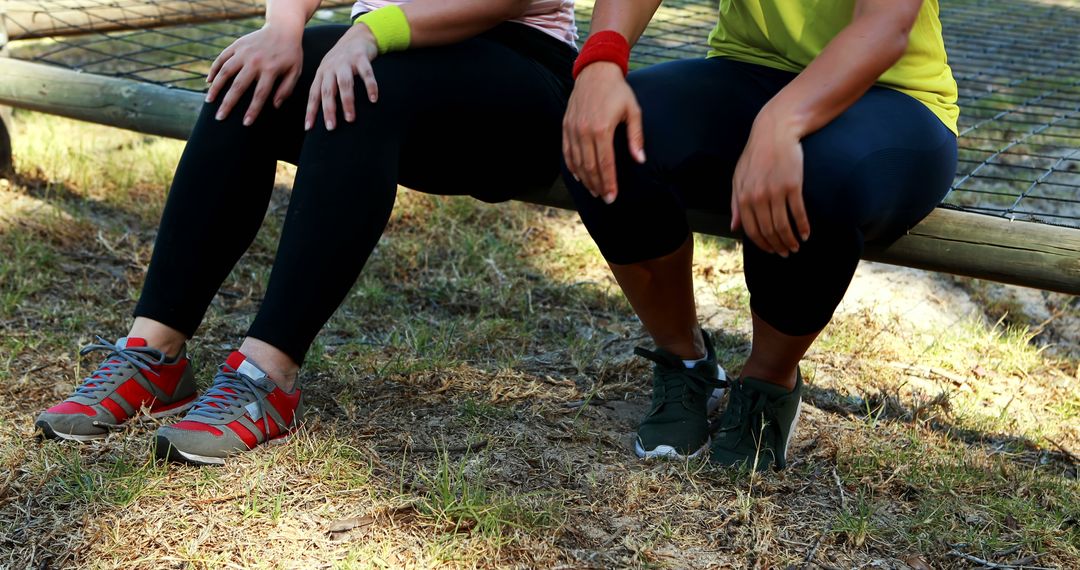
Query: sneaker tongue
{"x": 235, "y": 360}
{"x": 131, "y": 342}
{"x": 241, "y": 364}
{"x": 768, "y": 388}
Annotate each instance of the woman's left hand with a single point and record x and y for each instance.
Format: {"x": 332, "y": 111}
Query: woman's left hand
{"x": 767, "y": 187}
{"x": 349, "y": 58}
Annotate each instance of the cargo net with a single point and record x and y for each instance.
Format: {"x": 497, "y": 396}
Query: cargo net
{"x": 1017, "y": 63}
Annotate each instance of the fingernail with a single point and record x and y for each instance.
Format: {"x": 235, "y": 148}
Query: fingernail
{"x": 795, "y": 250}
{"x": 805, "y": 236}
{"x": 641, "y": 156}
{"x": 783, "y": 254}
{"x": 349, "y": 117}
{"x": 220, "y": 116}
{"x": 329, "y": 126}
{"x": 609, "y": 198}
{"x": 307, "y": 125}
{"x": 247, "y": 121}
{"x": 207, "y": 98}
{"x": 372, "y": 98}
{"x": 576, "y": 179}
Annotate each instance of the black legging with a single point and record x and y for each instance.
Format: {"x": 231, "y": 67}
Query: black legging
{"x": 872, "y": 173}
{"x": 481, "y": 118}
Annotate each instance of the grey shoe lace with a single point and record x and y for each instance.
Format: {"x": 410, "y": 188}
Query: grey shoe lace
{"x": 115, "y": 364}
{"x": 230, "y": 392}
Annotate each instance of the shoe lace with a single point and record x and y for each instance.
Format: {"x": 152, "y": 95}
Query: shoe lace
{"x": 115, "y": 364}
{"x": 747, "y": 412}
{"x": 676, "y": 380}
{"x": 230, "y": 392}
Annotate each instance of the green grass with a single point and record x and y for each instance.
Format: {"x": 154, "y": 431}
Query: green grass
{"x": 482, "y": 325}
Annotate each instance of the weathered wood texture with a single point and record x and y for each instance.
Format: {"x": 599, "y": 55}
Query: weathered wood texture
{"x": 120, "y": 103}
{"x": 963, "y": 243}
{"x": 25, "y": 20}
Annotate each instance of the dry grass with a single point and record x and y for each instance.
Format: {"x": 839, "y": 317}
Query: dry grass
{"x": 473, "y": 403}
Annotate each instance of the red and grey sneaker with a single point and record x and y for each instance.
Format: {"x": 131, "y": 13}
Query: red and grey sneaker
{"x": 133, "y": 378}
{"x": 243, "y": 409}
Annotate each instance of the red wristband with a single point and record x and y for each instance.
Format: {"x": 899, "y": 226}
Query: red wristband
{"x": 606, "y": 45}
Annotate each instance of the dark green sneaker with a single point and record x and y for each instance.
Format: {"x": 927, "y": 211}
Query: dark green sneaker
{"x": 677, "y": 425}
{"x": 757, "y": 425}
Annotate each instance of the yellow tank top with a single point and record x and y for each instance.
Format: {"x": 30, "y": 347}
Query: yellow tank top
{"x": 789, "y": 34}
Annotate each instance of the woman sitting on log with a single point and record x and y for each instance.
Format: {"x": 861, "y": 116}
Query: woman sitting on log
{"x": 462, "y": 97}
{"x": 818, "y": 125}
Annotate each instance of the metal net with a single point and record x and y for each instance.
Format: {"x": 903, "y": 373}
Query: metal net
{"x": 1017, "y": 63}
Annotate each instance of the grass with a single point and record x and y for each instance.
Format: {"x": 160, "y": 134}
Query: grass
{"x": 473, "y": 400}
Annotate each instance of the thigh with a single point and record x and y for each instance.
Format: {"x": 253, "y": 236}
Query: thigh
{"x": 479, "y": 118}
{"x": 883, "y": 165}
{"x": 697, "y": 116}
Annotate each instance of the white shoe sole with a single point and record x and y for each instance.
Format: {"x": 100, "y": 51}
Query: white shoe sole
{"x": 138, "y": 419}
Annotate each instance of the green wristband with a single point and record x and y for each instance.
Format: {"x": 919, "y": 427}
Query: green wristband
{"x": 389, "y": 26}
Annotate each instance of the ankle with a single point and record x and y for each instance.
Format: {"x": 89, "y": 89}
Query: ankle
{"x": 685, "y": 346}
{"x": 158, "y": 336}
{"x": 783, "y": 378}
{"x": 278, "y": 366}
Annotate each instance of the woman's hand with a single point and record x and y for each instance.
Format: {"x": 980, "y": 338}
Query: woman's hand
{"x": 767, "y": 187}
{"x": 349, "y": 58}
{"x": 602, "y": 99}
{"x": 261, "y": 57}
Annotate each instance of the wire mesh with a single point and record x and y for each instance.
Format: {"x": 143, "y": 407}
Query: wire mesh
{"x": 1017, "y": 63}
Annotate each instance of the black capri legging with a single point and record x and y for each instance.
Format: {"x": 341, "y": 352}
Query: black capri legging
{"x": 481, "y": 117}
{"x": 871, "y": 174}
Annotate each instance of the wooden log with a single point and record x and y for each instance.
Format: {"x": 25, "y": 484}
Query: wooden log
{"x": 949, "y": 241}
{"x": 25, "y": 20}
{"x": 7, "y": 163}
{"x": 142, "y": 107}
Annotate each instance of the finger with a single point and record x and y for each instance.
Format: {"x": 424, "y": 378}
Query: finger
{"x": 288, "y": 83}
{"x": 782, "y": 222}
{"x": 605, "y": 166}
{"x": 567, "y": 154}
{"x": 219, "y": 61}
{"x": 258, "y": 98}
{"x": 348, "y": 97}
{"x": 590, "y": 169}
{"x": 768, "y": 229}
{"x": 367, "y": 75}
{"x": 635, "y": 134}
{"x": 328, "y": 93}
{"x": 798, "y": 211}
{"x": 239, "y": 86}
{"x": 221, "y": 79}
{"x": 736, "y": 221}
{"x": 750, "y": 225}
{"x": 578, "y": 161}
{"x": 313, "y": 102}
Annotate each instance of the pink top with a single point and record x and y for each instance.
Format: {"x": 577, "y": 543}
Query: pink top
{"x": 553, "y": 17}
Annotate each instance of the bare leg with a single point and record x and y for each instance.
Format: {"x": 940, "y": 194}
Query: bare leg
{"x": 158, "y": 335}
{"x": 278, "y": 366}
{"x": 661, "y": 291}
{"x": 775, "y": 356}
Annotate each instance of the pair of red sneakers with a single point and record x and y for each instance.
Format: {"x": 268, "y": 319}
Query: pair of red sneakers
{"x": 242, "y": 409}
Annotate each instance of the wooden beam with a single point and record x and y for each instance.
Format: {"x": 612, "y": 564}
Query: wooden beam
{"x": 142, "y": 107}
{"x": 25, "y": 20}
{"x": 949, "y": 241}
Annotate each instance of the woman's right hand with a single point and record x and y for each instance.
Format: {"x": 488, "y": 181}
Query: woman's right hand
{"x": 601, "y": 101}
{"x": 262, "y": 58}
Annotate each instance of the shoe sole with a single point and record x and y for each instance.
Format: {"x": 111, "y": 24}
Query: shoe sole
{"x": 166, "y": 451}
{"x": 50, "y": 433}
{"x": 667, "y": 452}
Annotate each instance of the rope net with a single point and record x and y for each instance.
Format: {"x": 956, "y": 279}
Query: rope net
{"x": 1017, "y": 63}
